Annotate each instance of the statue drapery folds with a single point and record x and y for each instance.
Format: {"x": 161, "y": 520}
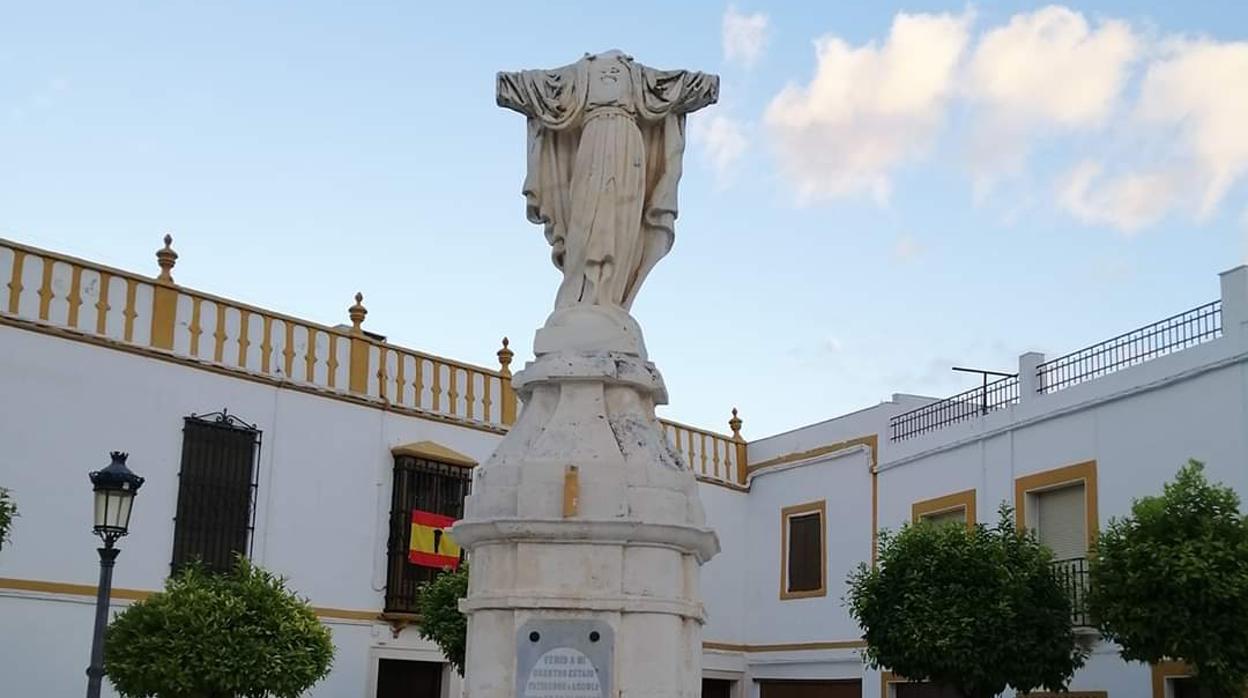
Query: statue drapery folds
{"x": 605, "y": 140}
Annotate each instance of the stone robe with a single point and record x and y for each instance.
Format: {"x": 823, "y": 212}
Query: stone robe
{"x": 605, "y": 140}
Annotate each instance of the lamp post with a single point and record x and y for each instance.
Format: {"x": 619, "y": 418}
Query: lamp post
{"x": 115, "y": 487}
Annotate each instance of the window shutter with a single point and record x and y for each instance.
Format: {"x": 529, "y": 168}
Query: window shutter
{"x": 1062, "y": 522}
{"x": 952, "y": 516}
{"x": 805, "y": 552}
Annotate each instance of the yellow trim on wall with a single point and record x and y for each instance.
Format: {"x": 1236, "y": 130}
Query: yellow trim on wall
{"x": 964, "y": 500}
{"x": 68, "y": 589}
{"x": 432, "y": 450}
{"x": 888, "y": 678}
{"x": 1167, "y": 670}
{"x": 1084, "y": 472}
{"x": 871, "y": 441}
{"x": 1171, "y": 670}
{"x": 785, "y": 646}
{"x": 820, "y": 507}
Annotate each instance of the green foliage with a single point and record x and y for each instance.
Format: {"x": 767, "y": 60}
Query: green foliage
{"x": 1171, "y": 580}
{"x": 237, "y": 635}
{"x": 440, "y": 618}
{"x": 8, "y": 512}
{"x": 977, "y": 610}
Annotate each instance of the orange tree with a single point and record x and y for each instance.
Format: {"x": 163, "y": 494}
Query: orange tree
{"x": 242, "y": 634}
{"x": 1170, "y": 581}
{"x": 977, "y": 610}
{"x": 440, "y": 618}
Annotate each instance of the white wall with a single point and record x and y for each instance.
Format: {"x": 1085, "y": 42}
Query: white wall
{"x": 322, "y": 502}
{"x": 45, "y": 645}
{"x": 324, "y": 489}
{"x": 723, "y": 584}
{"x": 843, "y": 481}
{"x": 1139, "y": 425}
{"x": 324, "y": 466}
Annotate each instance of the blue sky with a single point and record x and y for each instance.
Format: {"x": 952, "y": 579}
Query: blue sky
{"x": 882, "y": 192}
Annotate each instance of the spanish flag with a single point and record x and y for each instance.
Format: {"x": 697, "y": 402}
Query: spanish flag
{"x": 431, "y": 544}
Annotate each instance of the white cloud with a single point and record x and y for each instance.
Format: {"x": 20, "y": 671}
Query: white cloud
{"x": 1042, "y": 71}
{"x": 868, "y": 108}
{"x": 723, "y": 141}
{"x": 1128, "y": 201}
{"x": 1200, "y": 88}
{"x": 744, "y": 36}
{"x": 1143, "y": 125}
{"x": 1051, "y": 65}
{"x": 1191, "y": 116}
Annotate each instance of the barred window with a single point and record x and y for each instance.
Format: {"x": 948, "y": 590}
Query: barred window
{"x": 216, "y": 491}
{"x": 425, "y": 485}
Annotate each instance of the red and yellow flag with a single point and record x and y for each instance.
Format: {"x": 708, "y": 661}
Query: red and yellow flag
{"x": 431, "y": 544}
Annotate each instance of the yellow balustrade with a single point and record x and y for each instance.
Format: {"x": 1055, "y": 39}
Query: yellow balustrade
{"x": 93, "y": 302}
{"x": 713, "y": 457}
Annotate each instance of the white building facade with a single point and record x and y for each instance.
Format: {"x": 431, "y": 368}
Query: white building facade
{"x": 305, "y": 446}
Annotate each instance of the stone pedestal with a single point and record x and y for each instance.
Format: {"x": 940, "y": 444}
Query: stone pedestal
{"x": 585, "y": 522}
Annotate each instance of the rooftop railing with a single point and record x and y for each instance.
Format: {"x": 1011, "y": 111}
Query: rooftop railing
{"x": 1175, "y": 333}
{"x": 966, "y": 405}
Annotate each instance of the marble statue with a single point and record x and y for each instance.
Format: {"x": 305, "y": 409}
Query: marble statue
{"x": 585, "y": 527}
{"x": 605, "y": 139}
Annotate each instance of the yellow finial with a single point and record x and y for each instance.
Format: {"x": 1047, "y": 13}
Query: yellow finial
{"x": 357, "y": 313}
{"x": 735, "y": 425}
{"x": 166, "y": 258}
{"x": 504, "y": 358}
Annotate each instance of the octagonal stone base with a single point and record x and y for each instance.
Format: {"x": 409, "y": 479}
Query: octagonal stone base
{"x": 627, "y": 554}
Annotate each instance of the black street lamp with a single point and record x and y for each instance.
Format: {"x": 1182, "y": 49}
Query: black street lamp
{"x": 115, "y": 487}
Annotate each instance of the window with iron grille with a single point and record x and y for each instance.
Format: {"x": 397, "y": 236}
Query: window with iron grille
{"x": 425, "y": 485}
{"x": 216, "y": 491}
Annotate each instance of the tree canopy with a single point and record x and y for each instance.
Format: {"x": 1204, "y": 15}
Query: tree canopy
{"x": 242, "y": 634}
{"x": 1170, "y": 581}
{"x": 8, "y": 512}
{"x": 440, "y": 618}
{"x": 977, "y": 609}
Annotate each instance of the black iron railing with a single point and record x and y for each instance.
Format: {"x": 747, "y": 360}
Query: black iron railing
{"x": 966, "y": 405}
{"x": 217, "y": 481}
{"x": 1181, "y": 331}
{"x": 1072, "y": 574}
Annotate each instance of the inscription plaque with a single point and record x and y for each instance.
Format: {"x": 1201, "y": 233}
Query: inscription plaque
{"x": 564, "y": 659}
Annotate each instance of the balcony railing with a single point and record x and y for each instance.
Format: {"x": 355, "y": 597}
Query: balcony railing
{"x": 972, "y": 403}
{"x": 1072, "y": 574}
{"x": 1181, "y": 331}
